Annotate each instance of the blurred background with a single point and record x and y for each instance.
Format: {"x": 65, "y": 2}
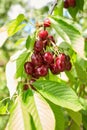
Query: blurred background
{"x": 34, "y": 10}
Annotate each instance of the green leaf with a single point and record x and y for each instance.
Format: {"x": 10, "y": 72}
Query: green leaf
{"x": 20, "y": 119}
{"x": 59, "y": 94}
{"x": 84, "y": 118}
{"x": 40, "y": 111}
{"x": 76, "y": 116}
{"x": 74, "y": 126}
{"x": 30, "y": 42}
{"x": 20, "y": 41}
{"x": 20, "y": 63}
{"x": 69, "y": 32}
{"x": 59, "y": 8}
{"x": 59, "y": 116}
{"x": 16, "y": 25}
{"x": 3, "y": 109}
{"x": 82, "y": 75}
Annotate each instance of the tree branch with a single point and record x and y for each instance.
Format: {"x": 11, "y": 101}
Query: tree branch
{"x": 54, "y": 5}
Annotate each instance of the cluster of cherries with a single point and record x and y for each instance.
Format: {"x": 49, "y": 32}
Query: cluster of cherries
{"x": 42, "y": 60}
{"x": 69, "y": 3}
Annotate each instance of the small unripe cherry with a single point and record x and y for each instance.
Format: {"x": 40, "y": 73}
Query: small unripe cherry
{"x": 47, "y": 22}
{"x": 43, "y": 34}
{"x": 28, "y": 66}
{"x": 48, "y": 57}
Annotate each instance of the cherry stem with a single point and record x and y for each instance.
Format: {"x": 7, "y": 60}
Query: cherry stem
{"x": 54, "y": 5}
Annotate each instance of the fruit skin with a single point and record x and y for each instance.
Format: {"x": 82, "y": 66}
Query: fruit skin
{"x": 36, "y": 59}
{"x": 54, "y": 69}
{"x": 68, "y": 66}
{"x": 28, "y": 66}
{"x": 61, "y": 65}
{"x": 43, "y": 34}
{"x": 51, "y": 38}
{"x": 69, "y": 3}
{"x": 38, "y": 46}
{"x": 47, "y": 22}
{"x": 61, "y": 62}
{"x": 41, "y": 71}
{"x": 48, "y": 57}
{"x": 25, "y": 87}
{"x": 72, "y": 3}
{"x": 66, "y": 4}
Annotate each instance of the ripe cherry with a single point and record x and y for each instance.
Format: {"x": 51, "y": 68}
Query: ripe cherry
{"x": 51, "y": 38}
{"x": 72, "y": 3}
{"x": 36, "y": 59}
{"x": 28, "y": 66}
{"x": 43, "y": 34}
{"x": 25, "y": 87}
{"x": 66, "y": 4}
{"x": 47, "y": 22}
{"x": 68, "y": 66}
{"x": 48, "y": 57}
{"x": 61, "y": 65}
{"x": 41, "y": 71}
{"x": 54, "y": 69}
{"x": 38, "y": 46}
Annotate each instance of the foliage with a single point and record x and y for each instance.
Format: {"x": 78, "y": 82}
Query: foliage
{"x": 51, "y": 102}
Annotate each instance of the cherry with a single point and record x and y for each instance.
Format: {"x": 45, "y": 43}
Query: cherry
{"x": 47, "y": 22}
{"x": 72, "y": 3}
{"x": 36, "y": 59}
{"x": 54, "y": 69}
{"x": 61, "y": 65}
{"x": 41, "y": 71}
{"x": 68, "y": 66}
{"x": 45, "y": 42}
{"x": 66, "y": 4}
{"x": 51, "y": 38}
{"x": 25, "y": 87}
{"x": 28, "y": 66}
{"x": 48, "y": 57}
{"x": 67, "y": 58}
{"x": 61, "y": 56}
{"x": 38, "y": 46}
{"x": 43, "y": 34}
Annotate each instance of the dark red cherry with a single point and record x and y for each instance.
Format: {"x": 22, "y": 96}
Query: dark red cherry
{"x": 51, "y": 38}
{"x": 61, "y": 65}
{"x": 41, "y": 71}
{"x": 68, "y": 66}
{"x": 43, "y": 34}
{"x": 36, "y": 59}
{"x": 66, "y": 4}
{"x": 38, "y": 46}
{"x": 28, "y": 66}
{"x": 25, "y": 87}
{"x": 48, "y": 57}
{"x": 72, "y": 3}
{"x": 54, "y": 69}
{"x": 47, "y": 22}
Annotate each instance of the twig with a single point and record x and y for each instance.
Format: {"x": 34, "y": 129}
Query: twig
{"x": 54, "y": 5}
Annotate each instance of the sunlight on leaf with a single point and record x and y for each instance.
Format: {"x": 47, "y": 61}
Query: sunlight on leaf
{"x": 3, "y": 35}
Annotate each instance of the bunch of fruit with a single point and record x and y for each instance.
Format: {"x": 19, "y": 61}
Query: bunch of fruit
{"x": 42, "y": 60}
{"x": 69, "y": 3}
